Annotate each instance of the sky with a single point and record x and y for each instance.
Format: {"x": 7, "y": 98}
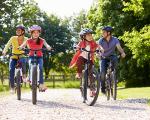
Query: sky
{"x": 64, "y": 8}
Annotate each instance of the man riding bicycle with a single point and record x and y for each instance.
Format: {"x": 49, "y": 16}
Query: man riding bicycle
{"x": 109, "y": 44}
{"x": 15, "y": 42}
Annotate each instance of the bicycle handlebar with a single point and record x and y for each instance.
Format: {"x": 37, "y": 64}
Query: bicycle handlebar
{"x": 35, "y": 50}
{"x": 83, "y": 49}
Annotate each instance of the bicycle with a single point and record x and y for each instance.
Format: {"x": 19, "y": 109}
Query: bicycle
{"x": 34, "y": 74}
{"x": 18, "y": 75}
{"x": 111, "y": 80}
{"x": 85, "y": 83}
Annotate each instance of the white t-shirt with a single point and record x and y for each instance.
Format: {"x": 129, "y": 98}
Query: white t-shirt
{"x": 84, "y": 54}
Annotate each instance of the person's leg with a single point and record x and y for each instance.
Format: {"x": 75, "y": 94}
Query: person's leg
{"x": 29, "y": 72}
{"x": 23, "y": 65}
{"x": 40, "y": 63}
{"x": 42, "y": 87}
{"x": 114, "y": 60}
{"x": 12, "y": 64}
{"x": 91, "y": 79}
{"x": 80, "y": 64}
{"x": 103, "y": 70}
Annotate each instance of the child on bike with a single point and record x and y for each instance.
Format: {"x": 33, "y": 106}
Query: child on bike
{"x": 36, "y": 42}
{"x": 80, "y": 58}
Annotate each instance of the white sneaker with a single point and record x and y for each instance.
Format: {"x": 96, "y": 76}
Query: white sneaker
{"x": 12, "y": 91}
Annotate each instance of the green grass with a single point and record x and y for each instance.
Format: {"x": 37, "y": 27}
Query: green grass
{"x": 141, "y": 92}
{"x": 4, "y": 89}
{"x": 136, "y": 93}
{"x": 68, "y": 84}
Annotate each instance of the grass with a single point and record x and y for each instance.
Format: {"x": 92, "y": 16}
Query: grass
{"x": 68, "y": 84}
{"x": 4, "y": 89}
{"x": 141, "y": 92}
{"x": 136, "y": 93}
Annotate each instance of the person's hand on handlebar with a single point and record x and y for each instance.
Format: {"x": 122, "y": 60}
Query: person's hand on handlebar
{"x": 4, "y": 53}
{"x": 123, "y": 55}
{"x": 49, "y": 48}
{"x": 101, "y": 49}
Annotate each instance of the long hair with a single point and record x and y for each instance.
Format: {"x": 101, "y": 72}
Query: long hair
{"x": 38, "y": 41}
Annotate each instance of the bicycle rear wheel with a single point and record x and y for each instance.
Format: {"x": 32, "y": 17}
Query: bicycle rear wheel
{"x": 34, "y": 83}
{"x": 91, "y": 100}
{"x": 18, "y": 84}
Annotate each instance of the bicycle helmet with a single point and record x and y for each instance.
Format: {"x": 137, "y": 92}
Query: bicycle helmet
{"x": 107, "y": 28}
{"x": 35, "y": 27}
{"x": 85, "y": 31}
{"x": 20, "y": 27}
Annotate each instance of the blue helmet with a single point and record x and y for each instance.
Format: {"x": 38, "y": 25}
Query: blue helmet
{"x": 85, "y": 31}
{"x": 107, "y": 28}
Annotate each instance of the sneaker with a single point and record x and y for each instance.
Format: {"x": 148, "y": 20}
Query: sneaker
{"x": 12, "y": 91}
{"x": 92, "y": 93}
{"x": 42, "y": 88}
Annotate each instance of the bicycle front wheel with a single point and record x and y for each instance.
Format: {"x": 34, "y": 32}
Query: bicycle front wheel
{"x": 34, "y": 83}
{"x": 108, "y": 90}
{"x": 18, "y": 84}
{"x": 84, "y": 83}
{"x": 93, "y": 86}
{"x": 114, "y": 86}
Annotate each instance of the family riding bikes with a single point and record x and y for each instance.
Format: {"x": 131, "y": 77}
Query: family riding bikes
{"x": 83, "y": 59}
{"x": 91, "y": 79}
{"x": 18, "y": 58}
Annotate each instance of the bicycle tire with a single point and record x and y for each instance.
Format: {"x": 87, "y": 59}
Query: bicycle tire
{"x": 114, "y": 86}
{"x": 34, "y": 83}
{"x": 18, "y": 84}
{"x": 108, "y": 89}
{"x": 97, "y": 80}
{"x": 84, "y": 85}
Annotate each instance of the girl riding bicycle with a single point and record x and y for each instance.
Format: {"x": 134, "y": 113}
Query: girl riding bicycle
{"x": 80, "y": 58}
{"x": 35, "y": 42}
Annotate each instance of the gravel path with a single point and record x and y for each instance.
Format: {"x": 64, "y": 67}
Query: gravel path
{"x": 65, "y": 104}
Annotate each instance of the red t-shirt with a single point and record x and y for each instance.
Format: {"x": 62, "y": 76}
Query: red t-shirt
{"x": 33, "y": 45}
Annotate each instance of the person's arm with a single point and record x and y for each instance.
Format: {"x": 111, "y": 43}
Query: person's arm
{"x": 100, "y": 48}
{"x": 23, "y": 45}
{"x": 121, "y": 50}
{"x": 47, "y": 45}
{"x": 9, "y": 43}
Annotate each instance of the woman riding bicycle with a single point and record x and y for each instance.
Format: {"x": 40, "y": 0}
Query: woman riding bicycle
{"x": 36, "y": 42}
{"x": 15, "y": 42}
{"x": 80, "y": 58}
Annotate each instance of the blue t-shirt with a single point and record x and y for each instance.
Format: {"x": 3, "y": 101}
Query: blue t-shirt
{"x": 109, "y": 47}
